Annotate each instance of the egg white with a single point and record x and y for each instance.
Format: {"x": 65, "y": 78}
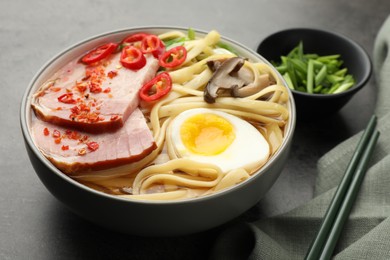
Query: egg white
{"x": 249, "y": 150}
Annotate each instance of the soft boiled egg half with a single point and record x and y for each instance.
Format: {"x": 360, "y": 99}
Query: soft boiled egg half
{"x": 212, "y": 136}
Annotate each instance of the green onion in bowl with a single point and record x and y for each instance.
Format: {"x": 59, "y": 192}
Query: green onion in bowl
{"x": 312, "y": 73}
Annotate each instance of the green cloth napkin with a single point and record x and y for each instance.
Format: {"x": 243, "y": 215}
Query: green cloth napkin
{"x": 366, "y": 235}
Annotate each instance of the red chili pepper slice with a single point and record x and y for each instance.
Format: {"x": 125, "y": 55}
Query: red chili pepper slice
{"x": 132, "y": 58}
{"x": 173, "y": 57}
{"x": 99, "y": 53}
{"x": 134, "y": 39}
{"x": 67, "y": 98}
{"x": 156, "y": 88}
{"x": 152, "y": 44}
{"x": 93, "y": 146}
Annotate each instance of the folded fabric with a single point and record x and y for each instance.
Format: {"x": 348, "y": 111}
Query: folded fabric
{"x": 366, "y": 234}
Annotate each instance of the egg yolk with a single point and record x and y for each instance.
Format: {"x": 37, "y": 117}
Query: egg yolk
{"x": 207, "y": 134}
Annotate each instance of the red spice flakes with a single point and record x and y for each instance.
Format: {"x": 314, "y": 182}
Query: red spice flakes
{"x": 114, "y": 117}
{"x": 82, "y": 151}
{"x": 46, "y": 131}
{"x": 57, "y": 136}
{"x": 81, "y": 86}
{"x": 111, "y": 74}
{"x": 65, "y": 147}
{"x": 83, "y": 139}
{"x": 86, "y": 78}
{"x": 67, "y": 98}
{"x": 75, "y": 110}
{"x": 93, "y": 146}
{"x": 55, "y": 89}
{"x": 95, "y": 76}
{"x": 56, "y": 133}
{"x": 84, "y": 107}
{"x": 94, "y": 87}
{"x": 92, "y": 117}
{"x": 83, "y": 112}
{"x": 74, "y": 135}
{"x": 41, "y": 94}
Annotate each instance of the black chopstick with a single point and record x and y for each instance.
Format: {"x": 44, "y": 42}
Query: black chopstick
{"x": 331, "y": 214}
{"x": 350, "y": 197}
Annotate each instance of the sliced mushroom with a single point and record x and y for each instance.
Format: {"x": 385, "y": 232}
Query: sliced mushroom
{"x": 214, "y": 64}
{"x": 232, "y": 78}
{"x": 222, "y": 79}
{"x": 261, "y": 82}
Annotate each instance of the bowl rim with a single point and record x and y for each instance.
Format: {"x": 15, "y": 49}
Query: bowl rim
{"x": 25, "y": 110}
{"x": 357, "y": 46}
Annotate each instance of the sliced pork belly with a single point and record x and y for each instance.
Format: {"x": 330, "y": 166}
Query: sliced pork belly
{"x": 73, "y": 151}
{"x": 95, "y": 98}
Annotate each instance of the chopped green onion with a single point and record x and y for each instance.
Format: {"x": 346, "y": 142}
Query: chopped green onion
{"x": 320, "y": 75}
{"x": 328, "y": 58}
{"x": 317, "y": 64}
{"x": 291, "y": 73}
{"x": 334, "y": 88}
{"x": 288, "y": 80}
{"x": 310, "y": 77}
{"x": 311, "y": 56}
{"x": 299, "y": 65}
{"x": 317, "y": 89}
{"x": 282, "y": 68}
{"x": 343, "y": 87}
{"x": 334, "y": 79}
{"x": 300, "y": 50}
{"x": 191, "y": 34}
{"x": 226, "y": 47}
{"x": 170, "y": 43}
{"x": 174, "y": 42}
{"x": 341, "y": 72}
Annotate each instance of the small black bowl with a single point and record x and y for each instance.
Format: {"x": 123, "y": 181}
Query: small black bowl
{"x": 356, "y": 60}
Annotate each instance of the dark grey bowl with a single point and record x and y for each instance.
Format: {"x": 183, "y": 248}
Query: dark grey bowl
{"x": 356, "y": 59}
{"x": 149, "y": 218}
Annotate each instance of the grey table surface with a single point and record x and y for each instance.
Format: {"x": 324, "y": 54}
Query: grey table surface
{"x": 34, "y": 225}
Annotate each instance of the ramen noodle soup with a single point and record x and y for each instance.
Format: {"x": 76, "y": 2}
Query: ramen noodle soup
{"x": 161, "y": 117}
